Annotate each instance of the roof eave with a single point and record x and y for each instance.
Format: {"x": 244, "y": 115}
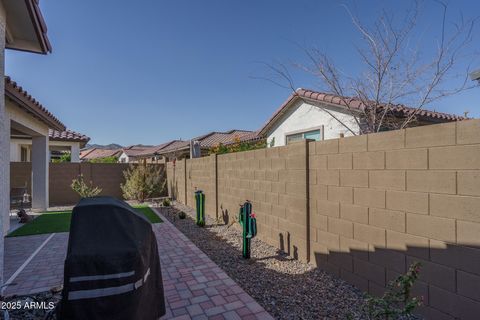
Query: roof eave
{"x": 42, "y": 44}
{"x": 45, "y": 119}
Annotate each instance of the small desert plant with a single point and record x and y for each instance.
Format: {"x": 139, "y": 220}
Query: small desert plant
{"x": 166, "y": 202}
{"x": 143, "y": 181}
{"x": 182, "y": 215}
{"x": 397, "y": 301}
{"x": 83, "y": 189}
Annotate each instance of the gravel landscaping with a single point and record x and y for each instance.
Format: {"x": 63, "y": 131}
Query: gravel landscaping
{"x": 33, "y": 307}
{"x": 286, "y": 288}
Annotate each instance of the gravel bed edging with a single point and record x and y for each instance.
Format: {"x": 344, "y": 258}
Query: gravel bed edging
{"x": 285, "y": 287}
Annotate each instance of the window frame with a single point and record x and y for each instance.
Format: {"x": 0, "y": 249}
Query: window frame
{"x": 303, "y": 131}
{"x": 23, "y": 152}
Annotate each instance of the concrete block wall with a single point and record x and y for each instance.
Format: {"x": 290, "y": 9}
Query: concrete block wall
{"x": 176, "y": 180}
{"x": 274, "y": 180}
{"x": 379, "y": 202}
{"x": 366, "y": 207}
{"x": 60, "y": 180}
{"x": 200, "y": 175}
{"x": 21, "y": 175}
{"x": 107, "y": 176}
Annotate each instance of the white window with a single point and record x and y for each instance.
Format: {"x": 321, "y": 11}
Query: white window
{"x": 23, "y": 154}
{"x": 312, "y": 135}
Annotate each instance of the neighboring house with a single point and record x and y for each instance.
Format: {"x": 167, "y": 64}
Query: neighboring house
{"x": 175, "y": 149}
{"x": 179, "y": 149}
{"x": 60, "y": 142}
{"x": 151, "y": 154}
{"x": 303, "y": 116}
{"x": 131, "y": 154}
{"x": 22, "y": 28}
{"x": 98, "y": 153}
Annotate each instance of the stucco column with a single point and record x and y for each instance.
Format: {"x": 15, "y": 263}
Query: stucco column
{"x": 4, "y": 146}
{"x": 75, "y": 152}
{"x": 40, "y": 163}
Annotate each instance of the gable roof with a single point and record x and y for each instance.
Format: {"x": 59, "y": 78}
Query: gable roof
{"x": 217, "y": 138}
{"x": 175, "y": 145}
{"x": 353, "y": 103}
{"x": 135, "y": 150}
{"x": 21, "y": 97}
{"x": 151, "y": 151}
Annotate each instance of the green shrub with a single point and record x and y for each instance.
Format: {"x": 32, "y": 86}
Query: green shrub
{"x": 105, "y": 160}
{"x": 397, "y": 301}
{"x": 182, "y": 215}
{"x": 166, "y": 202}
{"x": 238, "y": 146}
{"x": 143, "y": 182}
{"x": 83, "y": 189}
{"x": 65, "y": 157}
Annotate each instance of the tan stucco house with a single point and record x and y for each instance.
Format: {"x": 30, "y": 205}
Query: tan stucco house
{"x": 60, "y": 142}
{"x": 22, "y": 28}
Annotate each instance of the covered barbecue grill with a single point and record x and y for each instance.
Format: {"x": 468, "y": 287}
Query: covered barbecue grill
{"x": 112, "y": 268}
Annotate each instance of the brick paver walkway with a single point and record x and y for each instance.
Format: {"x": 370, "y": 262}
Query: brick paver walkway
{"x": 46, "y": 268}
{"x": 195, "y": 287}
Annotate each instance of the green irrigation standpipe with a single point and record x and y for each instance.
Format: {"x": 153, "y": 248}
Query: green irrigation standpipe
{"x": 200, "y": 206}
{"x": 248, "y": 221}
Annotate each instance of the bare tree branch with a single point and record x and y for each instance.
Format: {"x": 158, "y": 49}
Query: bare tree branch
{"x": 395, "y": 71}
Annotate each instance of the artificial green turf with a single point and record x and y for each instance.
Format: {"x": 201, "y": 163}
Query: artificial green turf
{"x": 148, "y": 213}
{"x": 49, "y": 222}
{"x": 59, "y": 221}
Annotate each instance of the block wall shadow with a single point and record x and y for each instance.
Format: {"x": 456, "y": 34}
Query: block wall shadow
{"x": 449, "y": 279}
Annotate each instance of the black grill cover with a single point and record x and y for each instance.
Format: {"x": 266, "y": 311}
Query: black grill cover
{"x": 112, "y": 268}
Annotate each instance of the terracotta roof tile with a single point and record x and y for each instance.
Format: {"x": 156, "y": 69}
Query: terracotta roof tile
{"x": 354, "y": 103}
{"x": 32, "y": 106}
{"x": 175, "y": 146}
{"x": 133, "y": 151}
{"x": 96, "y": 153}
{"x": 67, "y": 135}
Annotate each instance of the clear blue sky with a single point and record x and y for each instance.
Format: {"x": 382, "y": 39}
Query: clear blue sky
{"x": 152, "y": 70}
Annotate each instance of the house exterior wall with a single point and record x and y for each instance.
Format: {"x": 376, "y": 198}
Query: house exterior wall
{"x": 123, "y": 158}
{"x": 15, "y": 150}
{"x": 4, "y": 146}
{"x": 366, "y": 207}
{"x": 16, "y": 144}
{"x": 25, "y": 119}
{"x": 304, "y": 116}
